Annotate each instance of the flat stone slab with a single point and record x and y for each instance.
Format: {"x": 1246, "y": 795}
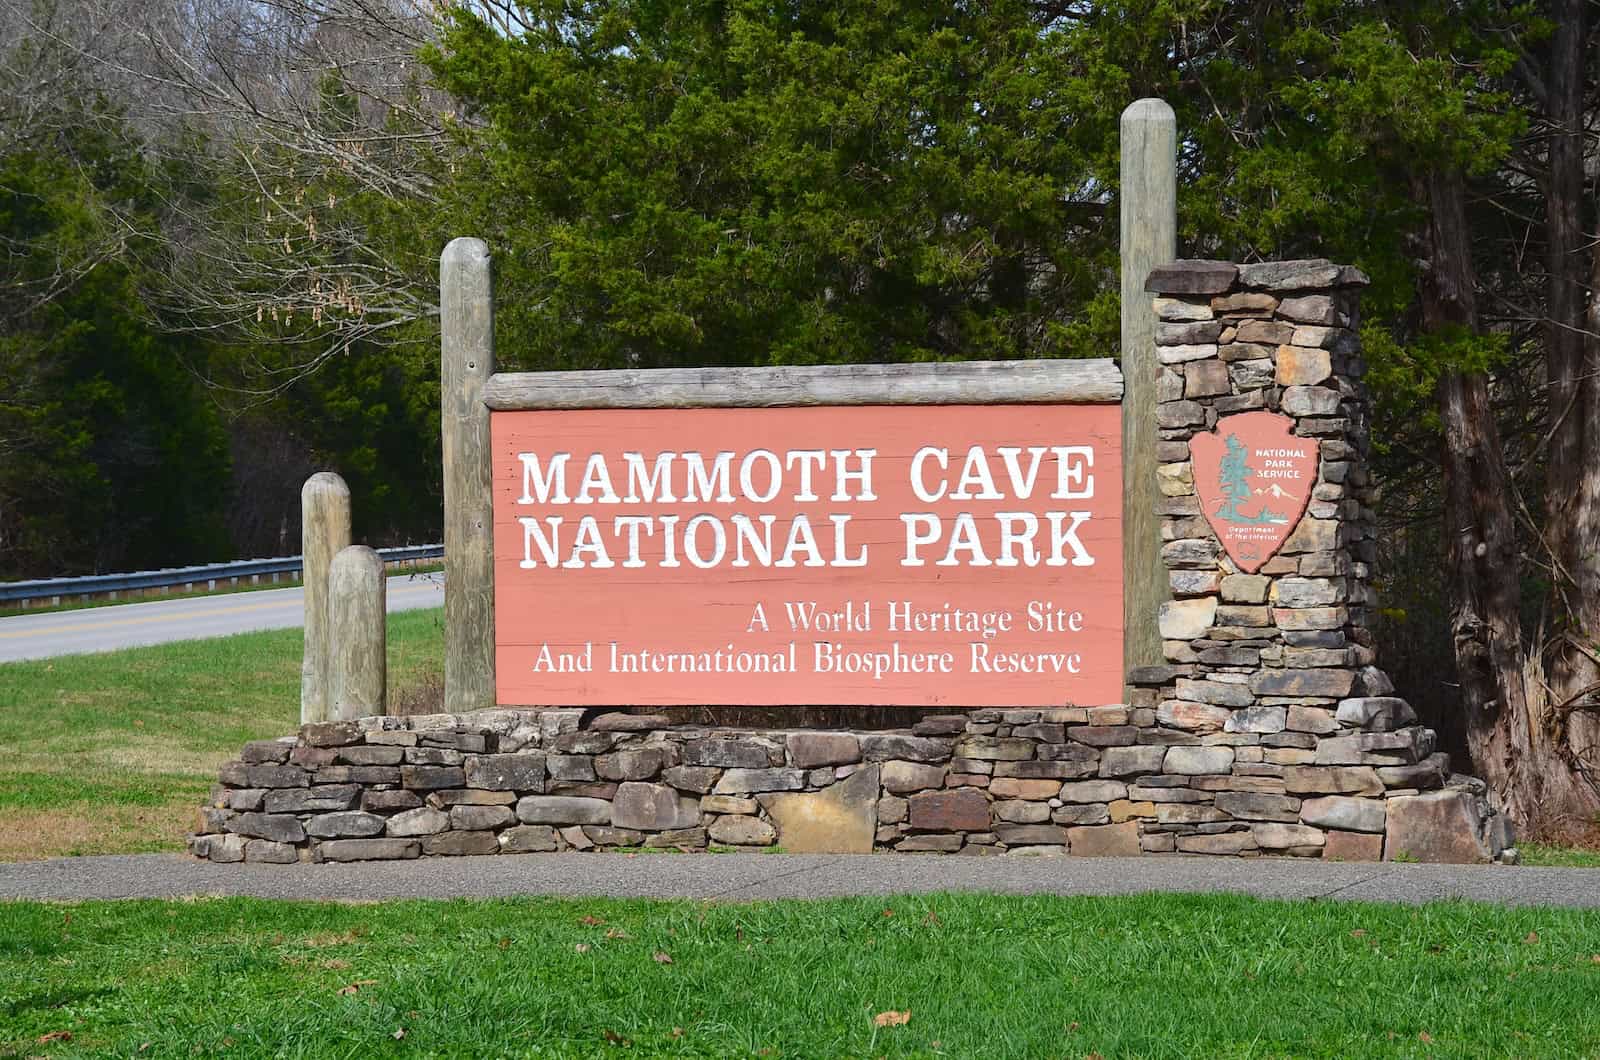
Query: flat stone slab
{"x": 838, "y": 820}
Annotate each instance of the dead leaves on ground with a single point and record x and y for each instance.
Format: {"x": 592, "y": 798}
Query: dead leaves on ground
{"x": 892, "y": 1019}
{"x": 617, "y": 934}
{"x": 350, "y": 989}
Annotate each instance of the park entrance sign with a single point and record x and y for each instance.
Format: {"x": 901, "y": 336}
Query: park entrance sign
{"x": 1139, "y": 605}
{"x": 964, "y": 554}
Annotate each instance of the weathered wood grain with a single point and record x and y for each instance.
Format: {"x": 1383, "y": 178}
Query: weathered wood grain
{"x": 466, "y": 302}
{"x": 357, "y": 639}
{"x": 1093, "y": 381}
{"x": 1149, "y": 239}
{"x": 324, "y": 530}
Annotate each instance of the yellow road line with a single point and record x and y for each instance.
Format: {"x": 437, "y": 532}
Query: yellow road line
{"x": 77, "y": 627}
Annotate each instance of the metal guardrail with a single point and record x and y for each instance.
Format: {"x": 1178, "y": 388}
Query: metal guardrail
{"x": 208, "y": 574}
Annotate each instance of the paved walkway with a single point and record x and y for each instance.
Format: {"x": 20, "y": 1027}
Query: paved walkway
{"x": 750, "y": 877}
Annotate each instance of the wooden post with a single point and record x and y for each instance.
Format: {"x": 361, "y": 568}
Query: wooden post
{"x": 357, "y": 636}
{"x": 466, "y": 310}
{"x": 324, "y": 530}
{"x": 1149, "y": 238}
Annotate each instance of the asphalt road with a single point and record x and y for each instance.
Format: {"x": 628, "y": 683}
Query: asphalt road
{"x": 185, "y": 618}
{"x": 752, "y": 877}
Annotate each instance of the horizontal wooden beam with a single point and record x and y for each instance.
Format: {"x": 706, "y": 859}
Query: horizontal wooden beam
{"x": 1092, "y": 381}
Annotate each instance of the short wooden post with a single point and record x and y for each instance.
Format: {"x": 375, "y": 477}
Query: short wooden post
{"x": 1149, "y": 238}
{"x": 466, "y": 310}
{"x": 324, "y": 530}
{"x": 357, "y": 636}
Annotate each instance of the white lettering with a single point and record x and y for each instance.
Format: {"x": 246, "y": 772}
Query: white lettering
{"x": 1067, "y": 537}
{"x": 533, "y": 534}
{"x": 654, "y": 486}
{"x": 1073, "y": 481}
{"x": 774, "y": 475}
{"x": 597, "y": 477}
{"x": 842, "y": 476}
{"x": 538, "y": 485}
{"x": 713, "y": 484}
{"x": 919, "y": 485}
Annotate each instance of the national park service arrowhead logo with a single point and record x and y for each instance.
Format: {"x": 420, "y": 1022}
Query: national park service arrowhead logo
{"x": 1254, "y": 478}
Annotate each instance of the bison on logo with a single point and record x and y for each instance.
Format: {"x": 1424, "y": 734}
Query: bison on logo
{"x": 1254, "y": 478}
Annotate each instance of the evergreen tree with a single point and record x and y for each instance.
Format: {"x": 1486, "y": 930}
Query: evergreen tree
{"x": 1235, "y": 474}
{"x": 112, "y": 456}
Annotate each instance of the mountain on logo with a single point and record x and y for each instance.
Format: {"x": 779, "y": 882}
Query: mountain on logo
{"x": 1278, "y": 492}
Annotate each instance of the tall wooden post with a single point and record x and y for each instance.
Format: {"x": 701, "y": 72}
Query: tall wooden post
{"x": 1149, "y": 238}
{"x": 357, "y": 637}
{"x": 324, "y": 530}
{"x": 466, "y": 310}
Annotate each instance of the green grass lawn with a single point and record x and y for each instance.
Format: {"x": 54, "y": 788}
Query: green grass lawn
{"x": 980, "y": 976}
{"x": 114, "y": 752}
{"x": 1564, "y": 857}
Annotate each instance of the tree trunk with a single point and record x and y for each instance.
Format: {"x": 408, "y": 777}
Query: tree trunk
{"x": 1480, "y": 540}
{"x": 1572, "y": 373}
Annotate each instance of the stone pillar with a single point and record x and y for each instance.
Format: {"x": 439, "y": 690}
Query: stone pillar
{"x": 357, "y": 635}
{"x": 324, "y": 530}
{"x": 1263, "y": 423}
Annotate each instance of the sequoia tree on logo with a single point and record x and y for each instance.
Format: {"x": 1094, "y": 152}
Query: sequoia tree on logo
{"x": 1233, "y": 478}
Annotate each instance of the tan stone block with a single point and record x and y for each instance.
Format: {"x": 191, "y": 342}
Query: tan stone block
{"x": 1176, "y": 309}
{"x": 1175, "y": 480}
{"x": 1353, "y": 846}
{"x": 840, "y": 819}
{"x": 1226, "y": 843}
{"x": 1205, "y": 379}
{"x": 727, "y": 804}
{"x": 1107, "y": 840}
{"x": 1127, "y": 810}
{"x": 1192, "y": 717}
{"x": 1017, "y": 788}
{"x": 1440, "y": 826}
{"x": 1187, "y": 619}
{"x": 1244, "y": 302}
{"x": 1332, "y": 780}
{"x": 1301, "y": 366}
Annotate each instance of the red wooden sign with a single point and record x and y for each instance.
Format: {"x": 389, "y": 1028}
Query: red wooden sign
{"x": 956, "y": 556}
{"x": 1254, "y": 478}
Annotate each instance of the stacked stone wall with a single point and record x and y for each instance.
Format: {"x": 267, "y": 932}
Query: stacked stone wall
{"x": 981, "y": 782}
{"x": 1270, "y": 729}
{"x": 1278, "y": 667}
